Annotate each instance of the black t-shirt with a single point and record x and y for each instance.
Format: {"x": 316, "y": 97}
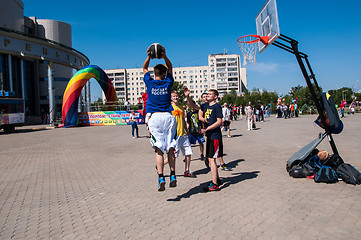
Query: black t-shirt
{"x": 211, "y": 113}
{"x": 194, "y": 123}
{"x": 203, "y": 106}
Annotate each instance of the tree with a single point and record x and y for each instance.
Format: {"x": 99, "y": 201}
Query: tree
{"x": 294, "y": 90}
{"x": 229, "y": 98}
{"x": 179, "y": 87}
{"x": 340, "y": 94}
{"x": 303, "y": 96}
{"x": 255, "y": 97}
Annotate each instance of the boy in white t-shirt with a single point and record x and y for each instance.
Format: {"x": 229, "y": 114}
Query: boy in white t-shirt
{"x": 249, "y": 117}
{"x": 226, "y": 119}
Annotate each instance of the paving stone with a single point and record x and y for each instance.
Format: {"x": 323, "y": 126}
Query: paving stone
{"x": 96, "y": 183}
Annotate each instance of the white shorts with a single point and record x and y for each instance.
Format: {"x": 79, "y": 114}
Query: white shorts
{"x": 163, "y": 128}
{"x": 147, "y": 116}
{"x": 183, "y": 145}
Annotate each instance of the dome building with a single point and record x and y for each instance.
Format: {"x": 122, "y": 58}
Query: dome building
{"x": 36, "y": 60}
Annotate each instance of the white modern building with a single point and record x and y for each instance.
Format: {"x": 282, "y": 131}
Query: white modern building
{"x": 223, "y": 73}
{"x": 36, "y": 58}
{"x": 226, "y": 70}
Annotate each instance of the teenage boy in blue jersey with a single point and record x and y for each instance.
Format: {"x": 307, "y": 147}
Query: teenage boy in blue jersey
{"x": 162, "y": 124}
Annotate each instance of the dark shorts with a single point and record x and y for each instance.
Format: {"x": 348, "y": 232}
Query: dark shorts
{"x": 226, "y": 123}
{"x": 194, "y": 138}
{"x": 214, "y": 148}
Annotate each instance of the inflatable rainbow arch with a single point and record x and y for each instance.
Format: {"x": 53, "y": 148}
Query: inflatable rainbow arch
{"x": 73, "y": 91}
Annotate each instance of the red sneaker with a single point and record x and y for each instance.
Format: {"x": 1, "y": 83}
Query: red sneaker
{"x": 189, "y": 174}
{"x": 213, "y": 187}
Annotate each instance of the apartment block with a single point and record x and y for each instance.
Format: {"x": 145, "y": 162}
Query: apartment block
{"x": 226, "y": 70}
{"x": 222, "y": 73}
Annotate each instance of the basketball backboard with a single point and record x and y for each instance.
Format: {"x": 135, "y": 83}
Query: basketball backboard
{"x": 267, "y": 24}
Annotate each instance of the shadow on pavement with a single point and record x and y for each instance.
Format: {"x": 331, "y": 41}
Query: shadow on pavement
{"x": 238, "y": 177}
{"x": 143, "y": 137}
{"x": 201, "y": 171}
{"x": 237, "y": 135}
{"x": 203, "y": 187}
{"x": 232, "y": 164}
{"x": 227, "y": 181}
{"x": 23, "y": 131}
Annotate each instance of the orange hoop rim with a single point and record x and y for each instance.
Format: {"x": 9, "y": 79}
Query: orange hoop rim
{"x": 263, "y": 39}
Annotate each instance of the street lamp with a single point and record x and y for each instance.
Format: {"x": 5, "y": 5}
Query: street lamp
{"x": 344, "y": 94}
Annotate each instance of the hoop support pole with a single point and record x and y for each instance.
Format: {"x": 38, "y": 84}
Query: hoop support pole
{"x": 293, "y": 48}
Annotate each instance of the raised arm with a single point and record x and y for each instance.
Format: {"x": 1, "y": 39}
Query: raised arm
{"x": 167, "y": 62}
{"x": 146, "y": 65}
{"x": 200, "y": 115}
{"x": 189, "y": 99}
{"x": 146, "y": 62}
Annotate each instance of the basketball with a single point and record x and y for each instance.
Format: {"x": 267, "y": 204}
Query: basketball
{"x": 156, "y": 50}
{"x": 323, "y": 155}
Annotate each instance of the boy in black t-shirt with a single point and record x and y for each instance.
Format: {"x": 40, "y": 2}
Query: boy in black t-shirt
{"x": 212, "y": 113}
{"x": 191, "y": 103}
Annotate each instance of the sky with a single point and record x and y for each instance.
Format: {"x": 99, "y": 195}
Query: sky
{"x": 116, "y": 34}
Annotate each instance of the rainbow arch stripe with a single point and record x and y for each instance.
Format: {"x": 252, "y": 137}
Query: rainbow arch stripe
{"x": 76, "y": 84}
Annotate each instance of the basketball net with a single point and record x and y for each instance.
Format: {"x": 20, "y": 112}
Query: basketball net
{"x": 248, "y": 46}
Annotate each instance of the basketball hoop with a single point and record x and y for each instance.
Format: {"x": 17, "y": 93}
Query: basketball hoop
{"x": 249, "y": 48}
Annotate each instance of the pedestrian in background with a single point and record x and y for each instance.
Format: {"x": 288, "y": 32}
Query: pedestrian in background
{"x": 226, "y": 119}
{"x": 249, "y": 117}
{"x": 133, "y": 122}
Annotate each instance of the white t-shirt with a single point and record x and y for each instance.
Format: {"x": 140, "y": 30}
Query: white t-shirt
{"x": 249, "y": 111}
{"x": 226, "y": 113}
{"x": 132, "y": 118}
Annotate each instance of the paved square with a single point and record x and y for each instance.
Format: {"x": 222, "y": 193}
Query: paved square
{"x": 99, "y": 183}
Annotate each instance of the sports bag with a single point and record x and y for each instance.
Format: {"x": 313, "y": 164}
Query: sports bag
{"x": 326, "y": 175}
{"x": 333, "y": 161}
{"x": 349, "y": 174}
{"x": 308, "y": 169}
{"x": 305, "y": 169}
{"x": 335, "y": 124}
{"x": 312, "y": 165}
{"x": 297, "y": 172}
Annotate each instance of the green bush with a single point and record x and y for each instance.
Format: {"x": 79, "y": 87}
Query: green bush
{"x": 306, "y": 109}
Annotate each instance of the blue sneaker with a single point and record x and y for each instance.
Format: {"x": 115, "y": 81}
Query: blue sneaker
{"x": 173, "y": 181}
{"x": 161, "y": 185}
{"x": 225, "y": 167}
